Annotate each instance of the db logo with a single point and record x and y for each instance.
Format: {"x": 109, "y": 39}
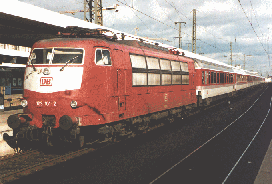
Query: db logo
{"x": 46, "y": 81}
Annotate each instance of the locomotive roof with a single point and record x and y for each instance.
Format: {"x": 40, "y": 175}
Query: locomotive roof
{"x": 201, "y": 62}
{"x": 132, "y": 43}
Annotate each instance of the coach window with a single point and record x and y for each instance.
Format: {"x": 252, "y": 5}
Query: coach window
{"x": 206, "y": 77}
{"x": 213, "y": 77}
{"x": 166, "y": 71}
{"x": 202, "y": 77}
{"x": 139, "y": 72}
{"x": 102, "y": 57}
{"x": 238, "y": 78}
{"x": 209, "y": 77}
{"x": 230, "y": 78}
{"x": 222, "y": 78}
{"x": 154, "y": 77}
{"x": 217, "y": 77}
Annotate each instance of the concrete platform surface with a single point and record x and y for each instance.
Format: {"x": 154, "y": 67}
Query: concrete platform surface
{"x": 4, "y": 128}
{"x": 5, "y": 149}
{"x": 265, "y": 173}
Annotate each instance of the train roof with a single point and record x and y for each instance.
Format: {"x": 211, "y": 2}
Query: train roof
{"x": 201, "y": 62}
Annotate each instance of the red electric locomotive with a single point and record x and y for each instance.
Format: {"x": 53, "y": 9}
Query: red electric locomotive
{"x": 79, "y": 88}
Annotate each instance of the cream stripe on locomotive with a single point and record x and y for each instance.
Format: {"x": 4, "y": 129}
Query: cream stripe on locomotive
{"x": 68, "y": 79}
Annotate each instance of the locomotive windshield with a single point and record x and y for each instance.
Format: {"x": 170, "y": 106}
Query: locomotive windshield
{"x": 56, "y": 56}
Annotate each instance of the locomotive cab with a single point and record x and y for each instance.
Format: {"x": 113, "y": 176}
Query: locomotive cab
{"x": 53, "y": 78}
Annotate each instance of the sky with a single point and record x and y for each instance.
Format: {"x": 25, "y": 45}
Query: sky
{"x": 245, "y": 23}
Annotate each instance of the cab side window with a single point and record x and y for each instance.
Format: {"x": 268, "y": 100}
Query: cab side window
{"x": 102, "y": 57}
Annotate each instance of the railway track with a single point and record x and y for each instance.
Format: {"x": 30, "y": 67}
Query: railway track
{"x": 215, "y": 160}
{"x": 27, "y": 162}
{"x": 23, "y": 163}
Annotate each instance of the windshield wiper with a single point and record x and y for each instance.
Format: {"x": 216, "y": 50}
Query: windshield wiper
{"x": 33, "y": 66}
{"x": 62, "y": 68}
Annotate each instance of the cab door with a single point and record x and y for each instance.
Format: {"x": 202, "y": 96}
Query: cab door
{"x": 120, "y": 71}
{"x": 101, "y": 72}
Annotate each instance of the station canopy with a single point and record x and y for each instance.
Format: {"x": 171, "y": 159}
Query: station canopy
{"x": 23, "y": 24}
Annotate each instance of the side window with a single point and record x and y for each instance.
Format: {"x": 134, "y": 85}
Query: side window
{"x": 212, "y": 77}
{"x": 165, "y": 64}
{"x": 153, "y": 71}
{"x": 137, "y": 61}
{"x": 222, "y": 78}
{"x": 139, "y": 73}
{"x": 102, "y": 57}
{"x": 166, "y": 71}
{"x": 152, "y": 63}
{"x": 185, "y": 79}
{"x": 206, "y": 77}
{"x": 176, "y": 79}
{"x": 175, "y": 66}
{"x": 202, "y": 77}
{"x": 185, "y": 73}
{"x": 176, "y": 75}
{"x": 231, "y": 78}
{"x": 184, "y": 67}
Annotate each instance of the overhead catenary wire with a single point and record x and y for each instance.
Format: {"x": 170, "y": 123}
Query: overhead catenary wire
{"x": 178, "y": 12}
{"x": 168, "y": 16}
{"x": 256, "y": 18}
{"x": 146, "y": 14}
{"x": 166, "y": 24}
{"x": 141, "y": 21}
{"x": 253, "y": 28}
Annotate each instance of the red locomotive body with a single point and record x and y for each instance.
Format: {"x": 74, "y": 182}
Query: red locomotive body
{"x": 73, "y": 83}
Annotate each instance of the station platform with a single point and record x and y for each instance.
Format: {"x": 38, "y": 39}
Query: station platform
{"x": 4, "y": 128}
{"x": 12, "y": 101}
{"x": 265, "y": 173}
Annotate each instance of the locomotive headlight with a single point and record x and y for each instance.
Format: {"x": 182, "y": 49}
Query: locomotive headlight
{"x": 24, "y": 103}
{"x": 73, "y": 104}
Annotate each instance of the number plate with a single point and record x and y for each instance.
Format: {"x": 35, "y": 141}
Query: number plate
{"x": 46, "y": 103}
